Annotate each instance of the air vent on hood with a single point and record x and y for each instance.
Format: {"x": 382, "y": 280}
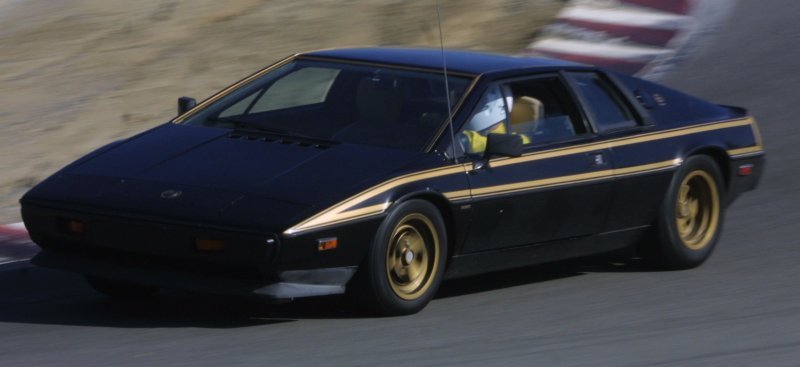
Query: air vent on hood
{"x": 300, "y": 142}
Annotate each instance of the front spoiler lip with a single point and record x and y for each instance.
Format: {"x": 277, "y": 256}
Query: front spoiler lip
{"x": 287, "y": 285}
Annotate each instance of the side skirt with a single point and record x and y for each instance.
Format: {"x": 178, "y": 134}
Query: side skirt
{"x": 489, "y": 261}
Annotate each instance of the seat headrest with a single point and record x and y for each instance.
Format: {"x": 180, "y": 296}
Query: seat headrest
{"x": 526, "y": 109}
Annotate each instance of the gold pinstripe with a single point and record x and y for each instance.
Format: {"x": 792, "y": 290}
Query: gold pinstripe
{"x": 340, "y": 213}
{"x": 758, "y": 148}
{"x": 622, "y": 142}
{"x": 457, "y": 195}
{"x": 571, "y": 179}
{"x": 745, "y": 151}
{"x": 757, "y": 133}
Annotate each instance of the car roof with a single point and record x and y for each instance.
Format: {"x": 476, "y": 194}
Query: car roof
{"x": 470, "y": 62}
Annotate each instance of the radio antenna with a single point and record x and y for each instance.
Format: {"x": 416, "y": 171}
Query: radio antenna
{"x": 446, "y": 84}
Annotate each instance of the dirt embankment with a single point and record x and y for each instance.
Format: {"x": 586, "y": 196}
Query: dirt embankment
{"x": 76, "y": 74}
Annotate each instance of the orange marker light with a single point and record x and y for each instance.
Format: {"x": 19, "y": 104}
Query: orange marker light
{"x": 75, "y": 226}
{"x": 326, "y": 244}
{"x": 209, "y": 245}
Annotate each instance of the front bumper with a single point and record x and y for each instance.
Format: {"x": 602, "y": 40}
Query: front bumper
{"x": 163, "y": 253}
{"x": 285, "y": 286}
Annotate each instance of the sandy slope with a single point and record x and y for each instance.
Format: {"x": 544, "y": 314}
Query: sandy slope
{"x": 75, "y": 74}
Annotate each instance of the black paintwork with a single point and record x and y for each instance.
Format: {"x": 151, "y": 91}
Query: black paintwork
{"x": 250, "y": 188}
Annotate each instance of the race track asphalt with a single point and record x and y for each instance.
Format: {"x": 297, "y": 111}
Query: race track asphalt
{"x": 742, "y": 308}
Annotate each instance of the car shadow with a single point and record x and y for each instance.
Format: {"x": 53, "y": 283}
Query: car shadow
{"x": 41, "y": 296}
{"x": 615, "y": 262}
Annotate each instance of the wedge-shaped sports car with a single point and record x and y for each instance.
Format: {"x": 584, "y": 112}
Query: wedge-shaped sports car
{"x": 375, "y": 171}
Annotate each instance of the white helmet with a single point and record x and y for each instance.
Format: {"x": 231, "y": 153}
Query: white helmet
{"x": 492, "y": 109}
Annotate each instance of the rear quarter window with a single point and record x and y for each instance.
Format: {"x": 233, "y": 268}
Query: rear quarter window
{"x": 669, "y": 107}
{"x": 605, "y": 107}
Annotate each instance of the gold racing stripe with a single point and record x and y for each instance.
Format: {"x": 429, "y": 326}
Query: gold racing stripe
{"x": 341, "y": 212}
{"x": 758, "y": 148}
{"x": 457, "y": 195}
{"x": 757, "y": 133}
{"x": 358, "y": 213}
{"x": 571, "y": 179}
{"x": 745, "y": 151}
{"x": 623, "y": 142}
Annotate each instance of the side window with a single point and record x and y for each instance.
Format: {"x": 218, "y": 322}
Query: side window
{"x": 302, "y": 87}
{"x": 540, "y": 110}
{"x": 603, "y": 104}
{"x": 490, "y": 117}
{"x": 543, "y": 111}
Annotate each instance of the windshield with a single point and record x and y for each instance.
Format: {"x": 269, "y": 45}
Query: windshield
{"x": 349, "y": 103}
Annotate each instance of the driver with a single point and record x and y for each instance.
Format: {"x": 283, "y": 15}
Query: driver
{"x": 490, "y": 118}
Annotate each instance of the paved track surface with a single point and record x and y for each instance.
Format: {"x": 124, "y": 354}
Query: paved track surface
{"x": 742, "y": 308}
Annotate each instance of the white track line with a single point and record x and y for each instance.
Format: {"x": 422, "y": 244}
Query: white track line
{"x": 626, "y": 16}
{"x": 9, "y": 260}
{"x": 16, "y": 226}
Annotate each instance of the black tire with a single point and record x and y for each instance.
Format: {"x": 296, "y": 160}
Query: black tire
{"x": 690, "y": 218}
{"x": 121, "y": 290}
{"x": 405, "y": 263}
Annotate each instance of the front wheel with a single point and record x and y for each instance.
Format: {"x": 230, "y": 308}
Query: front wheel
{"x": 405, "y": 264}
{"x": 690, "y": 218}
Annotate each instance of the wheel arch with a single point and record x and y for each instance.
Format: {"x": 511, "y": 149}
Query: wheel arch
{"x": 445, "y": 209}
{"x": 720, "y": 156}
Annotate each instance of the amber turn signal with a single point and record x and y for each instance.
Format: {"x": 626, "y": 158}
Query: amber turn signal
{"x": 209, "y": 245}
{"x": 75, "y": 226}
{"x": 325, "y": 244}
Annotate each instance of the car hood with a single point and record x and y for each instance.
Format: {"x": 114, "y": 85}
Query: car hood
{"x": 222, "y": 171}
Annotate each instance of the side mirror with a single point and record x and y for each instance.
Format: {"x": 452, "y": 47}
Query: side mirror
{"x": 503, "y": 145}
{"x": 499, "y": 145}
{"x": 186, "y": 104}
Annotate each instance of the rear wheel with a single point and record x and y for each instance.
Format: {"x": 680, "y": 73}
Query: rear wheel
{"x": 690, "y": 217}
{"x": 404, "y": 266}
{"x": 121, "y": 290}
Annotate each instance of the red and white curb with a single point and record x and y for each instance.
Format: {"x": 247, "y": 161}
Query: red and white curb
{"x": 15, "y": 245}
{"x": 643, "y": 37}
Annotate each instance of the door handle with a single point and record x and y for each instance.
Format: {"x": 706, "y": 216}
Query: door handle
{"x": 598, "y": 159}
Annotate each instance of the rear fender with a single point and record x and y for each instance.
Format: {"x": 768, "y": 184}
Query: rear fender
{"x": 720, "y": 155}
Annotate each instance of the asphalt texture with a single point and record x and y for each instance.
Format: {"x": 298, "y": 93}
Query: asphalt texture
{"x": 742, "y": 308}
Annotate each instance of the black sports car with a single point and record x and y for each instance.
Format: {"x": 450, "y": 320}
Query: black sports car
{"x": 341, "y": 170}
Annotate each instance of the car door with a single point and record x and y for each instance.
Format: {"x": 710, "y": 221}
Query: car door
{"x": 618, "y": 119}
{"x": 557, "y": 189}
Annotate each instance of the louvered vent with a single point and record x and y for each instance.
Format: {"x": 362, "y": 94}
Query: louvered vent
{"x": 279, "y": 140}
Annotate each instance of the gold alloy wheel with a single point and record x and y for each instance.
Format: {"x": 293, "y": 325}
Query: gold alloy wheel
{"x": 412, "y": 258}
{"x": 697, "y": 210}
